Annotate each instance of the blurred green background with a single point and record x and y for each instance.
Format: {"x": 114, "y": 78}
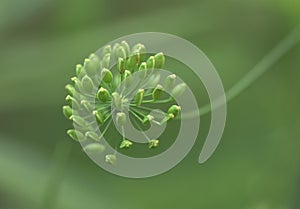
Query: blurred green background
{"x": 257, "y": 165}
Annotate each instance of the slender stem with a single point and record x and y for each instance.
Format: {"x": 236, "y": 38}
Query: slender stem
{"x": 105, "y": 129}
{"x": 139, "y": 127}
{"x": 291, "y": 40}
{"x": 133, "y": 113}
{"x": 158, "y": 101}
{"x": 141, "y": 107}
{"x": 138, "y": 112}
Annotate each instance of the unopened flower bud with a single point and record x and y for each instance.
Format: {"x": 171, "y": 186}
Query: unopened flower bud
{"x": 75, "y": 135}
{"x": 151, "y": 62}
{"x": 87, "y": 83}
{"x": 125, "y": 144}
{"x": 95, "y": 61}
{"x": 170, "y": 82}
{"x": 115, "y": 50}
{"x": 121, "y": 53}
{"x": 148, "y": 118}
{"x": 106, "y": 75}
{"x": 121, "y": 65}
{"x": 94, "y": 148}
{"x": 92, "y": 135}
{"x": 178, "y": 90}
{"x": 174, "y": 110}
{"x": 71, "y": 101}
{"x": 103, "y": 94}
{"x": 126, "y": 47}
{"x": 106, "y": 60}
{"x": 70, "y": 89}
{"x": 67, "y": 110}
{"x": 106, "y": 50}
{"x": 87, "y": 106}
{"x": 76, "y": 82}
{"x": 92, "y": 65}
{"x": 116, "y": 100}
{"x": 79, "y": 68}
{"x": 157, "y": 92}
{"x": 99, "y": 116}
{"x": 143, "y": 70}
{"x": 120, "y": 119}
{"x": 78, "y": 120}
{"x": 139, "y": 97}
{"x": 153, "y": 143}
{"x": 141, "y": 49}
{"x": 128, "y": 78}
{"x": 111, "y": 159}
{"x": 133, "y": 60}
{"x": 159, "y": 60}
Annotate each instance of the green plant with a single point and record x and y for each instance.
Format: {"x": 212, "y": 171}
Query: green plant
{"x": 98, "y": 75}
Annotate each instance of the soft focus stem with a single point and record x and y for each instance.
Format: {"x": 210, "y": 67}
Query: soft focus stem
{"x": 291, "y": 40}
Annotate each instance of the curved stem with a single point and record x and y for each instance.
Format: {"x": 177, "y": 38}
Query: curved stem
{"x": 257, "y": 71}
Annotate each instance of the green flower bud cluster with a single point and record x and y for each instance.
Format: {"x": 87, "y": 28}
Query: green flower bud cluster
{"x": 96, "y": 78}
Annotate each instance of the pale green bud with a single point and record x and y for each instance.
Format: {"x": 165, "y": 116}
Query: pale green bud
{"x": 91, "y": 66}
{"x": 78, "y": 120}
{"x": 121, "y": 65}
{"x": 157, "y": 92}
{"x": 106, "y": 75}
{"x": 88, "y": 106}
{"x": 120, "y": 119}
{"x": 153, "y": 143}
{"x": 121, "y": 53}
{"x": 159, "y": 60}
{"x": 133, "y": 61}
{"x": 178, "y": 90}
{"x": 103, "y": 94}
{"x": 126, "y": 47}
{"x": 170, "y": 82}
{"x": 143, "y": 70}
{"x": 128, "y": 77}
{"x": 99, "y": 117}
{"x": 116, "y": 100}
{"x": 67, "y": 110}
{"x": 71, "y": 101}
{"x": 92, "y": 135}
{"x": 75, "y": 81}
{"x": 106, "y": 50}
{"x": 111, "y": 159}
{"x": 87, "y": 83}
{"x": 94, "y": 148}
{"x": 139, "y": 97}
{"x": 151, "y": 62}
{"x": 70, "y": 89}
{"x": 117, "y": 81}
{"x": 141, "y": 49}
{"x": 138, "y": 47}
{"x": 106, "y": 60}
{"x": 75, "y": 135}
{"x": 115, "y": 50}
{"x": 174, "y": 110}
{"x": 125, "y": 144}
{"x": 148, "y": 118}
{"x": 79, "y": 67}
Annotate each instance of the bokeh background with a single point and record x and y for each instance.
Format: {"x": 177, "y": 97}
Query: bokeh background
{"x": 256, "y": 166}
